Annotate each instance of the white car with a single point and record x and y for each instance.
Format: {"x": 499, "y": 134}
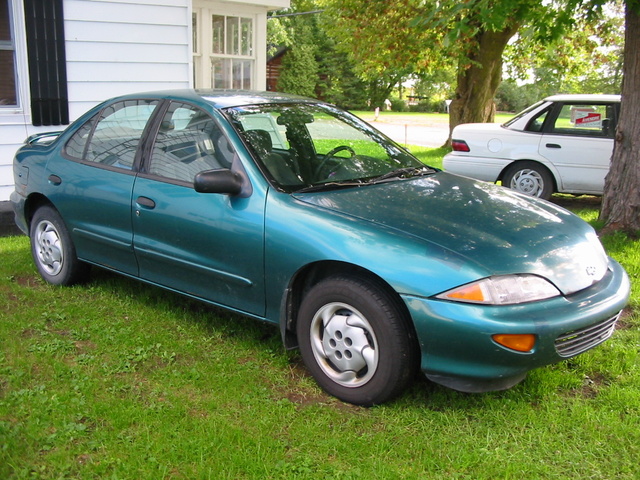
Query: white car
{"x": 561, "y": 144}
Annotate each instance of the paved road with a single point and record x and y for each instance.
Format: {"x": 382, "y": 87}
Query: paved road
{"x": 412, "y": 130}
{"x": 414, "y": 134}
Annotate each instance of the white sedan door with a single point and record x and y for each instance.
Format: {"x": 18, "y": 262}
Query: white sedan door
{"x": 582, "y": 162}
{"x": 579, "y": 142}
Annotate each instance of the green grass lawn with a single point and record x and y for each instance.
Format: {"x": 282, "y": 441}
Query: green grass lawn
{"x": 118, "y": 380}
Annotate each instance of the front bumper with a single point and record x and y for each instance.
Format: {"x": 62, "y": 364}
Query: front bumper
{"x": 456, "y": 342}
{"x": 18, "y": 203}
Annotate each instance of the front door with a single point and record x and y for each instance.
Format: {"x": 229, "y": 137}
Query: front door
{"x": 210, "y": 246}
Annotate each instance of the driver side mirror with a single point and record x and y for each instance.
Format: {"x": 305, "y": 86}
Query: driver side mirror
{"x": 218, "y": 181}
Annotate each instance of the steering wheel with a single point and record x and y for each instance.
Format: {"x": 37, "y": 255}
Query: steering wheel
{"x": 331, "y": 153}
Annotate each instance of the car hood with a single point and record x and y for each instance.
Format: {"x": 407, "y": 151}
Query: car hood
{"x": 498, "y": 230}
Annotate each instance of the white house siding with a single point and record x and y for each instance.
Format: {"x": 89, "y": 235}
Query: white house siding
{"x": 118, "y": 46}
{"x": 11, "y": 137}
{"x": 113, "y": 47}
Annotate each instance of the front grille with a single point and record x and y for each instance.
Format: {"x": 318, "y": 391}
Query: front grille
{"x": 578, "y": 341}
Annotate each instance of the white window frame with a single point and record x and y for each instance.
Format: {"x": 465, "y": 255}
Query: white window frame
{"x": 9, "y": 113}
{"x": 203, "y": 55}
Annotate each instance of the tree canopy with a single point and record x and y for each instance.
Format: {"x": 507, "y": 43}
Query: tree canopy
{"x": 312, "y": 65}
{"x": 385, "y": 42}
{"x": 417, "y": 36}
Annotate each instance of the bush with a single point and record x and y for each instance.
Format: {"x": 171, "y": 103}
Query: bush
{"x": 424, "y": 106}
{"x": 512, "y": 97}
{"x": 299, "y": 72}
{"x": 398, "y": 104}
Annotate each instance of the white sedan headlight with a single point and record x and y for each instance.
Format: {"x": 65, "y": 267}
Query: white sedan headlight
{"x": 503, "y": 290}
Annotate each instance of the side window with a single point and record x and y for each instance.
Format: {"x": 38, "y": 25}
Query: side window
{"x": 188, "y": 142}
{"x": 115, "y": 138}
{"x": 584, "y": 120}
{"x": 537, "y": 122}
{"x": 78, "y": 142}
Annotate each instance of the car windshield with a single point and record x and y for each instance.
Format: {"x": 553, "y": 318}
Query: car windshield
{"x": 310, "y": 146}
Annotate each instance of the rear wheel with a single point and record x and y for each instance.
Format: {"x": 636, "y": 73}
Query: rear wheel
{"x": 52, "y": 249}
{"x": 529, "y": 178}
{"x": 355, "y": 341}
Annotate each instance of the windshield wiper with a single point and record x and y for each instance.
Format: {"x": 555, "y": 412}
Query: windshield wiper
{"x": 330, "y": 186}
{"x": 406, "y": 172}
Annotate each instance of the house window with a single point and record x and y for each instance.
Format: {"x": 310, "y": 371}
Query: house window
{"x": 224, "y": 51}
{"x": 8, "y": 92}
{"x": 231, "y": 57}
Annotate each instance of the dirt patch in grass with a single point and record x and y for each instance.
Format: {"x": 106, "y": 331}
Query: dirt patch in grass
{"x": 590, "y": 386}
{"x": 28, "y": 280}
{"x": 571, "y": 202}
{"x": 29, "y": 333}
{"x": 625, "y": 321}
{"x": 302, "y": 391}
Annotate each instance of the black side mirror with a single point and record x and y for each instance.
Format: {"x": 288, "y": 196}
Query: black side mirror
{"x": 218, "y": 181}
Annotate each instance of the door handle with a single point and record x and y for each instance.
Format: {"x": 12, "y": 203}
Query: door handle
{"x": 552, "y": 145}
{"x": 146, "y": 202}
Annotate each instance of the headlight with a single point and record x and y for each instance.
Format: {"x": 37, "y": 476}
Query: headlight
{"x": 503, "y": 290}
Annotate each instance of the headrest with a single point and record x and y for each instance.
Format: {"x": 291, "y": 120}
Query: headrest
{"x": 260, "y": 140}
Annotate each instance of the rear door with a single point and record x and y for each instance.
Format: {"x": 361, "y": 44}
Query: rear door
{"x": 91, "y": 186}
{"x": 578, "y": 140}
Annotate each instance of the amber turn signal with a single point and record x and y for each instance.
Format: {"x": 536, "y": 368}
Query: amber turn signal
{"x": 519, "y": 342}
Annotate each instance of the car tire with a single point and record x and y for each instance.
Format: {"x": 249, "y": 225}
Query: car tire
{"x": 529, "y": 178}
{"x": 355, "y": 340}
{"x": 52, "y": 249}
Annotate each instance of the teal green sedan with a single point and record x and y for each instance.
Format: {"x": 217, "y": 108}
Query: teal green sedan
{"x": 296, "y": 213}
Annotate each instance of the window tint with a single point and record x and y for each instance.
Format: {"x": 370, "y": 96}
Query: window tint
{"x": 188, "y": 142}
{"x": 77, "y": 143}
{"x": 116, "y": 135}
{"x": 585, "y": 119}
{"x": 308, "y": 144}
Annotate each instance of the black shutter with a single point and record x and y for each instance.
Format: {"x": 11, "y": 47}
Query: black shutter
{"x": 44, "y": 21}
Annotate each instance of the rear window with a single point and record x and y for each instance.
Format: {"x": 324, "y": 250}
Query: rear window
{"x": 522, "y": 113}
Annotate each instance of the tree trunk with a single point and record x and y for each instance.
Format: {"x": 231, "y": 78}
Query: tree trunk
{"x": 621, "y": 200}
{"x": 478, "y": 80}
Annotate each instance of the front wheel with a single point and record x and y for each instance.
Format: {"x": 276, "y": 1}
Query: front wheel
{"x": 529, "y": 178}
{"x": 52, "y": 249}
{"x": 355, "y": 341}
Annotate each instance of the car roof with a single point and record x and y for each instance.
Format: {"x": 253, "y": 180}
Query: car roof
{"x": 587, "y": 98}
{"x": 222, "y": 98}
